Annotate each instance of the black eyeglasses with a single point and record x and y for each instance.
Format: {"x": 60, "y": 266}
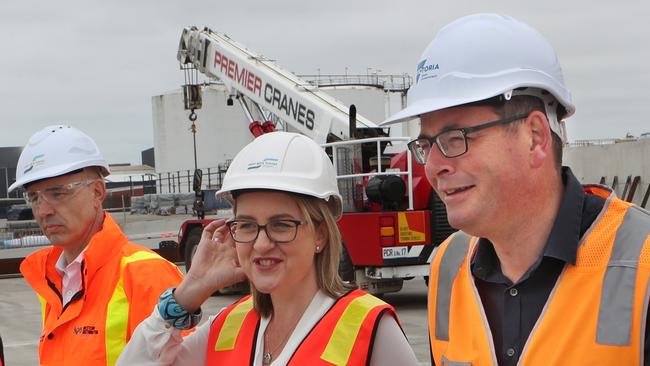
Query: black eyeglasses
{"x": 278, "y": 231}
{"x": 452, "y": 143}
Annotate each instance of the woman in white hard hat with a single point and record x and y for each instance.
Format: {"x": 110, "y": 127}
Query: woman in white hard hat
{"x": 284, "y": 239}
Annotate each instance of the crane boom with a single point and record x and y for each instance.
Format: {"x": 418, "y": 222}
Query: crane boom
{"x": 299, "y": 104}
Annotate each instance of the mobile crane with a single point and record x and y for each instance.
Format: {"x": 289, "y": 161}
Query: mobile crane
{"x": 392, "y": 218}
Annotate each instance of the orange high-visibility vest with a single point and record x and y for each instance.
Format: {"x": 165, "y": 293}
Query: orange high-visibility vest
{"x": 593, "y": 316}
{"x": 121, "y": 285}
{"x": 344, "y": 336}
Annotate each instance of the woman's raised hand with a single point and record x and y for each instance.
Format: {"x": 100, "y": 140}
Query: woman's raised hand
{"x": 214, "y": 267}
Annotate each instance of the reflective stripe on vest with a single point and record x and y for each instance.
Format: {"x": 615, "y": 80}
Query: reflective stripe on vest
{"x": 446, "y": 362}
{"x": 339, "y": 346}
{"x": 117, "y": 312}
{"x": 452, "y": 258}
{"x": 41, "y": 300}
{"x": 615, "y": 311}
{"x": 232, "y": 325}
{"x": 231, "y": 340}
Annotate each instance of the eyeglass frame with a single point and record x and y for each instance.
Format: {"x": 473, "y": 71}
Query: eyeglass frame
{"x": 69, "y": 187}
{"x": 230, "y": 223}
{"x": 433, "y": 140}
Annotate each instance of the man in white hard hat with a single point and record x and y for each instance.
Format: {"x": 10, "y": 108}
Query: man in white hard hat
{"x": 544, "y": 271}
{"x": 94, "y": 285}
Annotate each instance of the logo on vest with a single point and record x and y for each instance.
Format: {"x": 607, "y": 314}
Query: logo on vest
{"x": 86, "y": 330}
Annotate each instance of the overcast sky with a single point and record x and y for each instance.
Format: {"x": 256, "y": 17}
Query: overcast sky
{"x": 96, "y": 64}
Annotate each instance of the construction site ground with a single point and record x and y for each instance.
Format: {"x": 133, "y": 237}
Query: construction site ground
{"x": 20, "y": 318}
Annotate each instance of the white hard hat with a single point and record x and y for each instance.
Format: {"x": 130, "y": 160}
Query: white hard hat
{"x": 481, "y": 56}
{"x": 284, "y": 161}
{"x": 55, "y": 151}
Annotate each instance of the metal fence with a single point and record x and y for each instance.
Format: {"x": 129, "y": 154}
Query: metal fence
{"x": 181, "y": 180}
{"x": 396, "y": 83}
{"x": 633, "y": 190}
{"x": 597, "y": 142}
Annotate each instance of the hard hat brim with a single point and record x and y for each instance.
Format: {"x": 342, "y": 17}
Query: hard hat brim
{"x": 57, "y": 171}
{"x": 426, "y": 105}
{"x": 290, "y": 189}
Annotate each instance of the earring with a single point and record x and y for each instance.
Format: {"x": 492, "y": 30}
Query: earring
{"x": 317, "y": 249}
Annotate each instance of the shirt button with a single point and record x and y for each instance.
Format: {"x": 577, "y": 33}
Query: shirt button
{"x": 510, "y": 352}
{"x": 513, "y": 292}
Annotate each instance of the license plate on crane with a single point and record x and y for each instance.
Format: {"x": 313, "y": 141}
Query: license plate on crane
{"x": 395, "y": 252}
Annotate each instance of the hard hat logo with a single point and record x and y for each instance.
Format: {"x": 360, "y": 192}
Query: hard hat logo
{"x": 38, "y": 160}
{"x": 266, "y": 163}
{"x": 423, "y": 70}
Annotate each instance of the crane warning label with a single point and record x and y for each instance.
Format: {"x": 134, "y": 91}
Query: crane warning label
{"x": 411, "y": 226}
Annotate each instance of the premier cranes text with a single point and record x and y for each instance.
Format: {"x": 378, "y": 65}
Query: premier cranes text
{"x": 275, "y": 97}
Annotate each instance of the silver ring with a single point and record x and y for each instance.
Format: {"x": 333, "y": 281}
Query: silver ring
{"x": 215, "y": 239}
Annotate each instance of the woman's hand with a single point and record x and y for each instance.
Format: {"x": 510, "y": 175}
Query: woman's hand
{"x": 214, "y": 267}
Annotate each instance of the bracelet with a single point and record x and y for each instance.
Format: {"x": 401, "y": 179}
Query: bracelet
{"x": 174, "y": 314}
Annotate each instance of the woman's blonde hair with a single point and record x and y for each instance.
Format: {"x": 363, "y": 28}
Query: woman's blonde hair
{"x": 317, "y": 212}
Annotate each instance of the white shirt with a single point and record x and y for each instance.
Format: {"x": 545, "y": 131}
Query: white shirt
{"x": 154, "y": 342}
{"x": 71, "y": 276}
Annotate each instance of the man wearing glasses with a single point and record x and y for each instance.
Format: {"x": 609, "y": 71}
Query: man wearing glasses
{"x": 94, "y": 285}
{"x": 544, "y": 270}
